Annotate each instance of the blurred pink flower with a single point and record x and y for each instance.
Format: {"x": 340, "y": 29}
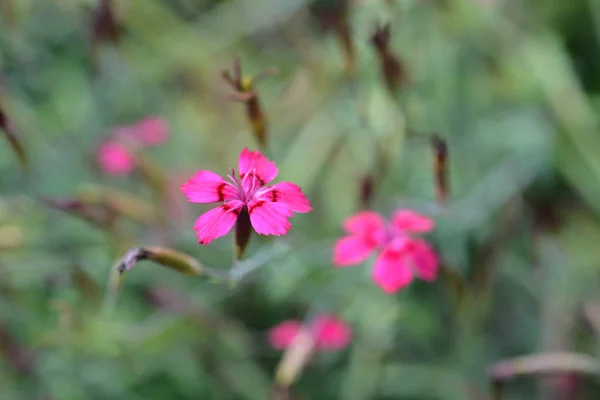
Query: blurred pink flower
{"x": 400, "y": 255}
{"x": 115, "y": 158}
{"x": 329, "y": 333}
{"x": 269, "y": 207}
{"x": 151, "y": 131}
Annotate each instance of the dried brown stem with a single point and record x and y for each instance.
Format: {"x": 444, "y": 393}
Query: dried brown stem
{"x": 13, "y": 139}
{"x": 180, "y": 262}
{"x": 245, "y": 92}
{"x": 440, "y": 152}
{"x": 184, "y": 264}
{"x": 541, "y": 364}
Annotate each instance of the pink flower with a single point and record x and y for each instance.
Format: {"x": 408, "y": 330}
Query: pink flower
{"x": 115, "y": 158}
{"x": 328, "y": 332}
{"x": 269, "y": 207}
{"x": 117, "y": 155}
{"x": 151, "y": 131}
{"x": 400, "y": 255}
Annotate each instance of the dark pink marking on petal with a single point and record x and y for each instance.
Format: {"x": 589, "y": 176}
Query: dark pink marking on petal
{"x": 217, "y": 222}
{"x": 251, "y": 183}
{"x": 208, "y": 187}
{"x": 264, "y": 169}
{"x": 269, "y": 218}
{"x": 290, "y": 195}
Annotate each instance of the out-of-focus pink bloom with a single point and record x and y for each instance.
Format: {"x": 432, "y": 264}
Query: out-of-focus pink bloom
{"x": 329, "y": 333}
{"x": 269, "y": 207}
{"x": 282, "y": 335}
{"x": 115, "y": 158}
{"x": 150, "y": 131}
{"x": 401, "y": 255}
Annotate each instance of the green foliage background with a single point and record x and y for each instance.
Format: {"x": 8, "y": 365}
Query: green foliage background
{"x": 511, "y": 85}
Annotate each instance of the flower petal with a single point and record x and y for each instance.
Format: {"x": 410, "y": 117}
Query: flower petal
{"x": 331, "y": 333}
{"x": 115, "y": 158}
{"x": 151, "y": 131}
{"x": 269, "y": 218}
{"x": 217, "y": 222}
{"x": 288, "y": 194}
{"x": 351, "y": 250}
{"x": 281, "y": 336}
{"x": 405, "y": 220}
{"x": 392, "y": 270}
{"x": 364, "y": 221}
{"x": 425, "y": 260}
{"x": 368, "y": 225}
{"x": 263, "y": 169}
{"x": 208, "y": 187}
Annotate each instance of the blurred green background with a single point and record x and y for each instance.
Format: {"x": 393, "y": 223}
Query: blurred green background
{"x": 513, "y": 86}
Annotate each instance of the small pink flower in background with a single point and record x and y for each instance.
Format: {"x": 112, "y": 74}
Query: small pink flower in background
{"x": 151, "y": 131}
{"x": 401, "y": 255}
{"x": 117, "y": 155}
{"x": 115, "y": 158}
{"x": 269, "y": 207}
{"x": 329, "y": 333}
{"x": 282, "y": 335}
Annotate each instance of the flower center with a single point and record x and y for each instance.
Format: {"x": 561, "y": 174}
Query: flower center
{"x": 386, "y": 236}
{"x": 247, "y": 186}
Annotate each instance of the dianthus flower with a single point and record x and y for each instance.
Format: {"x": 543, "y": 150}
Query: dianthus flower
{"x": 116, "y": 156}
{"x": 150, "y": 131}
{"x": 400, "y": 254}
{"x": 327, "y": 331}
{"x": 268, "y": 207}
